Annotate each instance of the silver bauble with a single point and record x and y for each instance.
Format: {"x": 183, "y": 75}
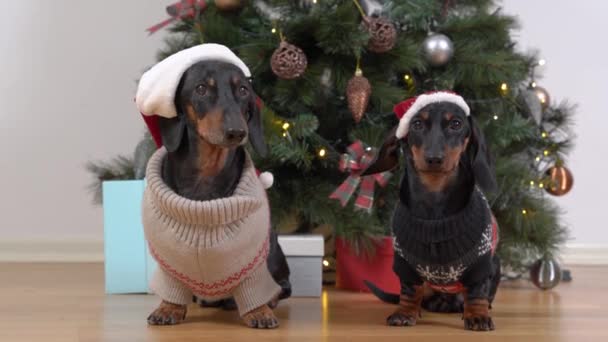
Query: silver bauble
{"x": 545, "y": 273}
{"x": 543, "y": 96}
{"x": 438, "y": 49}
{"x": 533, "y": 106}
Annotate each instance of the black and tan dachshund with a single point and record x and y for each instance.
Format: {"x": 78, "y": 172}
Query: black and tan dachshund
{"x": 442, "y": 215}
{"x": 217, "y": 115}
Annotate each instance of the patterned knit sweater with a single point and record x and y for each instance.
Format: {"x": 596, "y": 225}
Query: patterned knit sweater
{"x": 441, "y": 251}
{"x": 214, "y": 249}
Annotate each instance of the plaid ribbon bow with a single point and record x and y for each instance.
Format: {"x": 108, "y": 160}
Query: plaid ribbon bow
{"x": 179, "y": 10}
{"x": 356, "y": 161}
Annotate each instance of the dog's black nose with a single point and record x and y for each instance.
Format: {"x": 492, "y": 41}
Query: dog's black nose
{"x": 434, "y": 161}
{"x": 235, "y": 135}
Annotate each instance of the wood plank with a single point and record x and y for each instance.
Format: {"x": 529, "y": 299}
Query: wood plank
{"x": 65, "y": 302}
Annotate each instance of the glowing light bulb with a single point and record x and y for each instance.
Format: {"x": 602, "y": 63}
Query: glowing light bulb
{"x": 406, "y": 77}
{"x": 314, "y": 1}
{"x": 286, "y": 126}
{"x": 533, "y": 84}
{"x": 495, "y": 117}
{"x": 322, "y": 153}
{"x": 524, "y": 211}
{"x": 537, "y": 159}
{"x": 546, "y": 152}
{"x": 274, "y": 30}
{"x": 284, "y": 134}
{"x": 541, "y": 185}
{"x": 543, "y": 134}
{"x": 542, "y": 62}
{"x": 531, "y": 183}
{"x": 325, "y": 263}
{"x": 504, "y": 87}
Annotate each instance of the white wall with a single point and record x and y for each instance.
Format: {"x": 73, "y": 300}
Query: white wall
{"x": 68, "y": 71}
{"x": 571, "y": 36}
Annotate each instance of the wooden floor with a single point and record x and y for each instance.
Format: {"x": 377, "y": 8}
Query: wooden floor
{"x": 65, "y": 302}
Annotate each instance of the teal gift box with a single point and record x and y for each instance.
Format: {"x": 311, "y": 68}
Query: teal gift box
{"x": 128, "y": 264}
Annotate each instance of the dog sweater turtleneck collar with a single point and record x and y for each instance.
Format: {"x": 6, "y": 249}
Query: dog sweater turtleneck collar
{"x": 214, "y": 249}
{"x": 442, "y": 250}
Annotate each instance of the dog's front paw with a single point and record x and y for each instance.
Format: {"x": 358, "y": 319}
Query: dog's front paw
{"x": 401, "y": 319}
{"x": 167, "y": 314}
{"x": 261, "y": 318}
{"x": 481, "y": 323}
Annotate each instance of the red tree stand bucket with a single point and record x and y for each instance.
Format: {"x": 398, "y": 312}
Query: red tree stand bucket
{"x": 352, "y": 269}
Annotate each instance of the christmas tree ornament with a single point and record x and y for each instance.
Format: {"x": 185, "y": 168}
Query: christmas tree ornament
{"x": 358, "y": 92}
{"x": 545, "y": 273}
{"x": 383, "y": 34}
{"x": 543, "y": 96}
{"x": 288, "y": 61}
{"x": 560, "y": 180}
{"x": 355, "y": 161}
{"x": 184, "y": 9}
{"x": 438, "y": 49}
{"x": 229, "y": 5}
{"x": 531, "y": 104}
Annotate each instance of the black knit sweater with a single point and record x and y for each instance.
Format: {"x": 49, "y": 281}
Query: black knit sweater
{"x": 441, "y": 251}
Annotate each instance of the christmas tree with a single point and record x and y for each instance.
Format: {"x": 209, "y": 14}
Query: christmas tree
{"x": 329, "y": 73}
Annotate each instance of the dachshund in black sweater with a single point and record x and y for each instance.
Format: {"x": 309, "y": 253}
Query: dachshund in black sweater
{"x": 445, "y": 234}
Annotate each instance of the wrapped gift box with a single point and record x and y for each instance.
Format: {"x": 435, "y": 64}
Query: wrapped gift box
{"x": 129, "y": 266}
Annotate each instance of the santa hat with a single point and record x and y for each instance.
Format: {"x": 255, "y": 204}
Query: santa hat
{"x": 157, "y": 87}
{"x": 407, "y": 109}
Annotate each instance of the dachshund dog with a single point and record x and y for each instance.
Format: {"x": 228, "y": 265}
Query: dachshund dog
{"x": 447, "y": 164}
{"x": 217, "y": 115}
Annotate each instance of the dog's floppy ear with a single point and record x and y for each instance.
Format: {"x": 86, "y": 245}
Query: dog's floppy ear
{"x": 172, "y": 131}
{"x": 481, "y": 159}
{"x": 256, "y": 131}
{"x": 388, "y": 156}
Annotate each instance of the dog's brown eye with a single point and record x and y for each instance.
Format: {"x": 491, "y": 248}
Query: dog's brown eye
{"x": 201, "y": 89}
{"x": 455, "y": 124}
{"x": 417, "y": 125}
{"x": 243, "y": 91}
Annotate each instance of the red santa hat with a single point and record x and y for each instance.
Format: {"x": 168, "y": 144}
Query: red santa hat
{"x": 407, "y": 109}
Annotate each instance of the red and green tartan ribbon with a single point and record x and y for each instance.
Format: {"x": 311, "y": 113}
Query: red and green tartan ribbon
{"x": 356, "y": 161}
{"x": 180, "y": 10}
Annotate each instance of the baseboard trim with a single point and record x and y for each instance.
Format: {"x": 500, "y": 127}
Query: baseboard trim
{"x": 51, "y": 251}
{"x": 92, "y": 251}
{"x": 584, "y": 254}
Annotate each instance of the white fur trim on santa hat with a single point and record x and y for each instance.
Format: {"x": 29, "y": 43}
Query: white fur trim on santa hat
{"x": 267, "y": 179}
{"x": 157, "y": 87}
{"x": 424, "y": 100}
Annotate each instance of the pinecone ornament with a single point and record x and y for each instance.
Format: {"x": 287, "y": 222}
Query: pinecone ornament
{"x": 383, "y": 34}
{"x": 288, "y": 61}
{"x": 358, "y": 91}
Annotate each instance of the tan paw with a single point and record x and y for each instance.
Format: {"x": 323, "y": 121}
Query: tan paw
{"x": 261, "y": 318}
{"x": 167, "y": 314}
{"x": 401, "y": 319}
{"x": 483, "y": 323}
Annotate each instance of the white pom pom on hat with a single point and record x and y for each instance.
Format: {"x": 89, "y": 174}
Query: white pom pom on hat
{"x": 407, "y": 109}
{"x": 267, "y": 179}
{"x": 157, "y": 86}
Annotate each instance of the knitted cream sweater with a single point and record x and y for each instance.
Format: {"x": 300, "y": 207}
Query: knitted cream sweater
{"x": 214, "y": 249}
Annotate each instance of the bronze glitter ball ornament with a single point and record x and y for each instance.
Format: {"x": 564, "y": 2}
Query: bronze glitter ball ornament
{"x": 229, "y": 5}
{"x": 383, "y": 34}
{"x": 288, "y": 61}
{"x": 358, "y": 92}
{"x": 560, "y": 180}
